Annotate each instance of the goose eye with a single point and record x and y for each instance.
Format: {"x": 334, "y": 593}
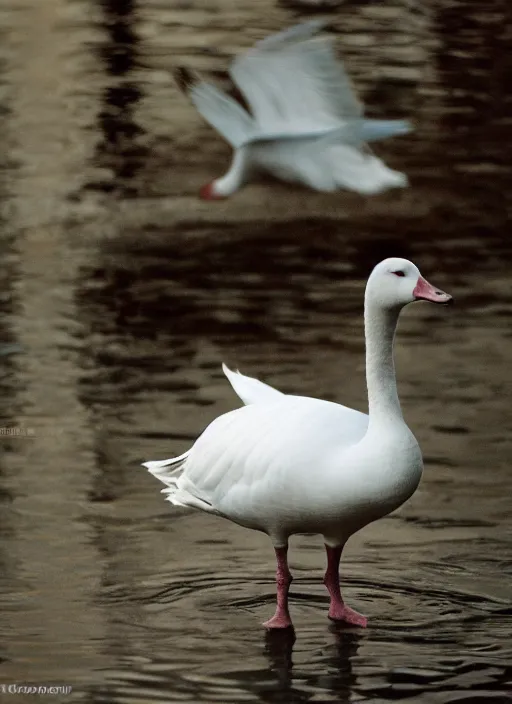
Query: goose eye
{"x": 398, "y": 273}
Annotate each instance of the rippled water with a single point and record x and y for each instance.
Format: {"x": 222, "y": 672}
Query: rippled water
{"x": 120, "y": 295}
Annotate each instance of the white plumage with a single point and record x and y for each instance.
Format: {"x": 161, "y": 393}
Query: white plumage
{"x": 300, "y": 120}
{"x": 286, "y": 464}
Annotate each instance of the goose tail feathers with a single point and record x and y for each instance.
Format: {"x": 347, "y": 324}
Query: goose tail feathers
{"x": 163, "y": 469}
{"x": 179, "y": 490}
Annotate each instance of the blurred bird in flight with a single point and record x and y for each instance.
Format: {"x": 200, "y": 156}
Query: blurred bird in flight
{"x": 293, "y": 113}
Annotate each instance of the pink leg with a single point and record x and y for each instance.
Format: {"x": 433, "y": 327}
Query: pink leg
{"x": 337, "y": 609}
{"x": 281, "y": 618}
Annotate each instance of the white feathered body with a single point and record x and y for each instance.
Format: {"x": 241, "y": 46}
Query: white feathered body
{"x": 296, "y": 465}
{"x": 322, "y": 164}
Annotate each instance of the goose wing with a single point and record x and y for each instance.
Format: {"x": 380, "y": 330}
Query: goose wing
{"x": 373, "y": 130}
{"x": 262, "y": 453}
{"x": 221, "y": 111}
{"x": 295, "y": 84}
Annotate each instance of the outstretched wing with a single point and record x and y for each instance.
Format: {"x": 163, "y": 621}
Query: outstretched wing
{"x": 295, "y": 84}
{"x": 374, "y": 130}
{"x": 221, "y": 111}
{"x": 291, "y": 35}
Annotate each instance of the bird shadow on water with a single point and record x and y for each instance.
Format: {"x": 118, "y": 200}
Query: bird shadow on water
{"x": 334, "y": 674}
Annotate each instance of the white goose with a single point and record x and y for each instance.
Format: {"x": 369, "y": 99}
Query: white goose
{"x": 292, "y": 464}
{"x": 295, "y": 117}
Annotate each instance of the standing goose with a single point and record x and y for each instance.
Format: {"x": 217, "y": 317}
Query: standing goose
{"x": 292, "y": 464}
{"x": 295, "y": 117}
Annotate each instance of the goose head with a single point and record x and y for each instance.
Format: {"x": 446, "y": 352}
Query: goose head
{"x": 396, "y": 282}
{"x": 210, "y": 191}
{"x": 235, "y": 177}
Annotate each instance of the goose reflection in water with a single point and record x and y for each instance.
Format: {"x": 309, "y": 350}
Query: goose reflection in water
{"x": 334, "y": 675}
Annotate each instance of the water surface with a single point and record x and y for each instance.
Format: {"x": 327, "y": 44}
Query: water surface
{"x": 121, "y": 294}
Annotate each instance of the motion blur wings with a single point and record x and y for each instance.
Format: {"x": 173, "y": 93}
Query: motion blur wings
{"x": 297, "y": 33}
{"x": 295, "y": 84}
{"x": 223, "y": 112}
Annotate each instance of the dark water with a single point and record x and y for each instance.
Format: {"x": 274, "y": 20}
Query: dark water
{"x": 121, "y": 294}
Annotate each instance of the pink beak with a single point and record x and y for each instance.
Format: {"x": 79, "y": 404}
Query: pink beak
{"x": 208, "y": 193}
{"x": 423, "y": 291}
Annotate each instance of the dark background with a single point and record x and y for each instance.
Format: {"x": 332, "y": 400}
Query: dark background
{"x": 120, "y": 295}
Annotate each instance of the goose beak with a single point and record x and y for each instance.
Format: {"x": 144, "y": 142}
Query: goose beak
{"x": 423, "y": 291}
{"x": 208, "y": 193}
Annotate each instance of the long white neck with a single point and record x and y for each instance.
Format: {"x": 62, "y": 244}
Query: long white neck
{"x": 235, "y": 177}
{"x": 380, "y": 325}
